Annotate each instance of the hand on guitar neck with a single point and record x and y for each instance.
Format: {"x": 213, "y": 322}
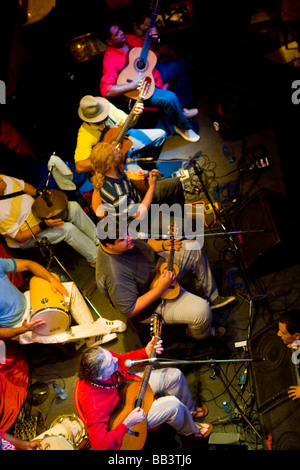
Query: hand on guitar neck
{"x": 137, "y": 415}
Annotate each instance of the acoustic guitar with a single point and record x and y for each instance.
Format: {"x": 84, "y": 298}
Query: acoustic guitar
{"x": 141, "y": 61}
{"x": 117, "y": 137}
{"x": 135, "y": 394}
{"x": 173, "y": 291}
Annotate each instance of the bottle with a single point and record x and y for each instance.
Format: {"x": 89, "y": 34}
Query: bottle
{"x": 228, "y": 409}
{"x": 60, "y": 391}
{"x": 227, "y": 154}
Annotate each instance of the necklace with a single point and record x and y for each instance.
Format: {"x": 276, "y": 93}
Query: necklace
{"x": 108, "y": 386}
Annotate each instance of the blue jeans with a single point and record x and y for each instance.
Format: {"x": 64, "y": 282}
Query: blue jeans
{"x": 168, "y": 102}
{"x": 146, "y": 143}
{"x": 78, "y": 231}
{"x": 176, "y": 72}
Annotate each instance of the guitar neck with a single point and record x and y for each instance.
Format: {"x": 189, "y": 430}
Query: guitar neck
{"x": 171, "y": 257}
{"x": 145, "y": 380}
{"x": 147, "y": 40}
{"x": 127, "y": 124}
{"x": 144, "y": 386}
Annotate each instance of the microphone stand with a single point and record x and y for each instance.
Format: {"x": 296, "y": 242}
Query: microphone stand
{"x": 251, "y": 302}
{"x": 213, "y": 364}
{"x": 241, "y": 267}
{"x": 44, "y": 243}
{"x": 171, "y": 362}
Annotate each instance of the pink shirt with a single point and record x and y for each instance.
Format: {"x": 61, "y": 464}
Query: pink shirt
{"x": 115, "y": 59}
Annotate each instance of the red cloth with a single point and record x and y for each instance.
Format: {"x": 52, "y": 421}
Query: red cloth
{"x": 14, "y": 378}
{"x": 115, "y": 59}
{"x": 97, "y": 404}
{"x": 13, "y": 140}
{"x": 15, "y": 278}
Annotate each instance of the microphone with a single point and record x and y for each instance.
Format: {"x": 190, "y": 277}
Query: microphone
{"x": 159, "y": 236}
{"x": 146, "y": 236}
{"x": 130, "y": 363}
{"x": 141, "y": 159}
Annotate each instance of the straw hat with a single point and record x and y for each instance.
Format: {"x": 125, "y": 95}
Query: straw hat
{"x": 93, "y": 108}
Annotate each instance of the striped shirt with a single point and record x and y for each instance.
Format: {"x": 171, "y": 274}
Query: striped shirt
{"x": 120, "y": 193}
{"x": 15, "y": 211}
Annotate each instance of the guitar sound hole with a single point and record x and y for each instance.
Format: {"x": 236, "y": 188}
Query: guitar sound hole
{"x": 138, "y": 403}
{"x": 133, "y": 433}
{"x": 140, "y": 64}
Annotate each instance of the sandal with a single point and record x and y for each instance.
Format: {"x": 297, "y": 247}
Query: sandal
{"x": 200, "y": 412}
{"x": 203, "y": 431}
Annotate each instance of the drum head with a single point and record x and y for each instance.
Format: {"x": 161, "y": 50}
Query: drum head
{"x": 56, "y": 443}
{"x": 57, "y": 321}
{"x": 77, "y": 428}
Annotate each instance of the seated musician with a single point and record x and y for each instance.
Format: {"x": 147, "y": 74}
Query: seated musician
{"x": 115, "y": 59}
{"x": 127, "y": 268}
{"x": 101, "y": 372}
{"x": 16, "y": 200}
{"x": 99, "y": 115}
{"x": 15, "y": 322}
{"x": 173, "y": 69}
{"x": 112, "y": 184}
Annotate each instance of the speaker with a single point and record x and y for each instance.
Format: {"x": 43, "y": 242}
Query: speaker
{"x": 280, "y": 424}
{"x": 273, "y": 376}
{"x": 263, "y": 211}
{"x": 279, "y": 415}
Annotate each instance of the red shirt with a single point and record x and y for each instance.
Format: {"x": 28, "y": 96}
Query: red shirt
{"x": 98, "y": 403}
{"x": 115, "y": 59}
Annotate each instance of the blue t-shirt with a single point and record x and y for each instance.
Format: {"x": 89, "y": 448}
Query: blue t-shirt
{"x": 12, "y": 301}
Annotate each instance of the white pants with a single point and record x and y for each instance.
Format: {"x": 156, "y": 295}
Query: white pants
{"x": 85, "y": 328}
{"x": 176, "y": 407}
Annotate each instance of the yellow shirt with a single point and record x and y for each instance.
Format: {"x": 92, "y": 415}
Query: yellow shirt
{"x": 15, "y": 211}
{"x": 90, "y": 134}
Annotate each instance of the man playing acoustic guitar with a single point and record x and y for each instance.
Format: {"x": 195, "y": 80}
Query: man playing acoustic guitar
{"x": 126, "y": 269}
{"x": 112, "y": 184}
{"x": 115, "y": 59}
{"x": 99, "y": 115}
{"x": 101, "y": 375}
